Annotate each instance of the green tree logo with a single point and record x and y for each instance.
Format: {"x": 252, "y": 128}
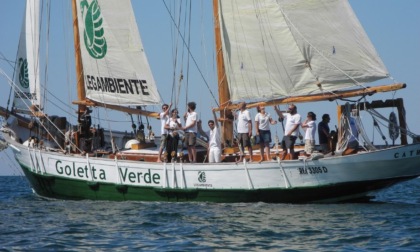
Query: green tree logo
{"x": 23, "y": 73}
{"x": 94, "y": 32}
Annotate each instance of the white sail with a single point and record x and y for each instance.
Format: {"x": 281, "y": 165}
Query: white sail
{"x": 116, "y": 70}
{"x": 282, "y": 48}
{"x": 27, "y": 80}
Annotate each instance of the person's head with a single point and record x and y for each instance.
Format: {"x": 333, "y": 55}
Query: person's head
{"x": 211, "y": 124}
{"x": 242, "y": 106}
{"x": 261, "y": 109}
{"x": 191, "y": 106}
{"x": 326, "y": 118}
{"x": 312, "y": 116}
{"x": 174, "y": 113}
{"x": 165, "y": 107}
{"x": 292, "y": 109}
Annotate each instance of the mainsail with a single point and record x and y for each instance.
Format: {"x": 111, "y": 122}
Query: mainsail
{"x": 27, "y": 81}
{"x": 283, "y": 48}
{"x": 115, "y": 66}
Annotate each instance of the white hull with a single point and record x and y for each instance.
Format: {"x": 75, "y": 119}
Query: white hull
{"x": 393, "y": 164}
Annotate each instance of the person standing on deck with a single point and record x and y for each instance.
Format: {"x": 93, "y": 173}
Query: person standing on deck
{"x": 291, "y": 130}
{"x": 163, "y": 132}
{"x": 310, "y": 128}
{"x": 244, "y": 130}
{"x": 324, "y": 134}
{"x": 215, "y": 144}
{"x": 191, "y": 131}
{"x": 262, "y": 122}
{"x": 173, "y": 125}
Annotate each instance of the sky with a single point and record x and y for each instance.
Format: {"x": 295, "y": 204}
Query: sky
{"x": 392, "y": 25}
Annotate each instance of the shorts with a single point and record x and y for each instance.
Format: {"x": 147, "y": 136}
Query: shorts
{"x": 309, "y": 146}
{"x": 265, "y": 137}
{"x": 190, "y": 138}
{"x": 244, "y": 140}
{"x": 163, "y": 138}
{"x": 288, "y": 142}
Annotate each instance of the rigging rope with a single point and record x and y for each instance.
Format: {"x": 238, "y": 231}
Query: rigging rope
{"x": 190, "y": 53}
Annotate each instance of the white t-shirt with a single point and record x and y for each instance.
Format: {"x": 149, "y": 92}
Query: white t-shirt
{"x": 163, "y": 121}
{"x": 263, "y": 120}
{"x": 214, "y": 138}
{"x": 191, "y": 117}
{"x": 310, "y": 130}
{"x": 291, "y": 121}
{"x": 172, "y": 123}
{"x": 244, "y": 119}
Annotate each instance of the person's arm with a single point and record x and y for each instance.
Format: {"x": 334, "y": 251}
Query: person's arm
{"x": 279, "y": 112}
{"x": 272, "y": 121}
{"x": 257, "y": 124}
{"x": 305, "y": 124}
{"x": 192, "y": 124}
{"x": 178, "y": 123}
{"x": 216, "y": 122}
{"x": 294, "y": 127}
{"x": 167, "y": 110}
{"x": 167, "y": 124}
{"x": 249, "y": 123}
{"x": 250, "y": 128}
{"x": 325, "y": 132}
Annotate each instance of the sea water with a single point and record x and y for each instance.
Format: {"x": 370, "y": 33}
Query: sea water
{"x": 391, "y": 222}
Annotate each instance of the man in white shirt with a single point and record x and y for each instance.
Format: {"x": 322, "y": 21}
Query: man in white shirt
{"x": 191, "y": 132}
{"x": 244, "y": 129}
{"x": 215, "y": 144}
{"x": 163, "y": 132}
{"x": 291, "y": 130}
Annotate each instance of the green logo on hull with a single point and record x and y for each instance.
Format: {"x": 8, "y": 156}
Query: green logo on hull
{"x": 94, "y": 32}
{"x": 201, "y": 177}
{"x": 23, "y": 73}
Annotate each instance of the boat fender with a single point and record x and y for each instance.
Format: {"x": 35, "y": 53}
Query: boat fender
{"x": 122, "y": 188}
{"x": 316, "y": 156}
{"x": 94, "y": 186}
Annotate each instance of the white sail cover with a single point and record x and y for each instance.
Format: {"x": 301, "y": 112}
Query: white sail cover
{"x": 27, "y": 81}
{"x": 282, "y": 48}
{"x": 116, "y": 70}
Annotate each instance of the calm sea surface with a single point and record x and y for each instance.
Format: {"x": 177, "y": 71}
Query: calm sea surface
{"x": 29, "y": 223}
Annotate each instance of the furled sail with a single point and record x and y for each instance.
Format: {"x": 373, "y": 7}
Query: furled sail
{"x": 27, "y": 81}
{"x": 283, "y": 48}
{"x": 115, "y": 66}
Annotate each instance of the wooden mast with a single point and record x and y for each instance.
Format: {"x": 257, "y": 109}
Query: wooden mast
{"x": 81, "y": 93}
{"x": 224, "y": 96}
{"x": 80, "y": 81}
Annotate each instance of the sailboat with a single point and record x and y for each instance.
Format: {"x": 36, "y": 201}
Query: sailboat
{"x": 269, "y": 52}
